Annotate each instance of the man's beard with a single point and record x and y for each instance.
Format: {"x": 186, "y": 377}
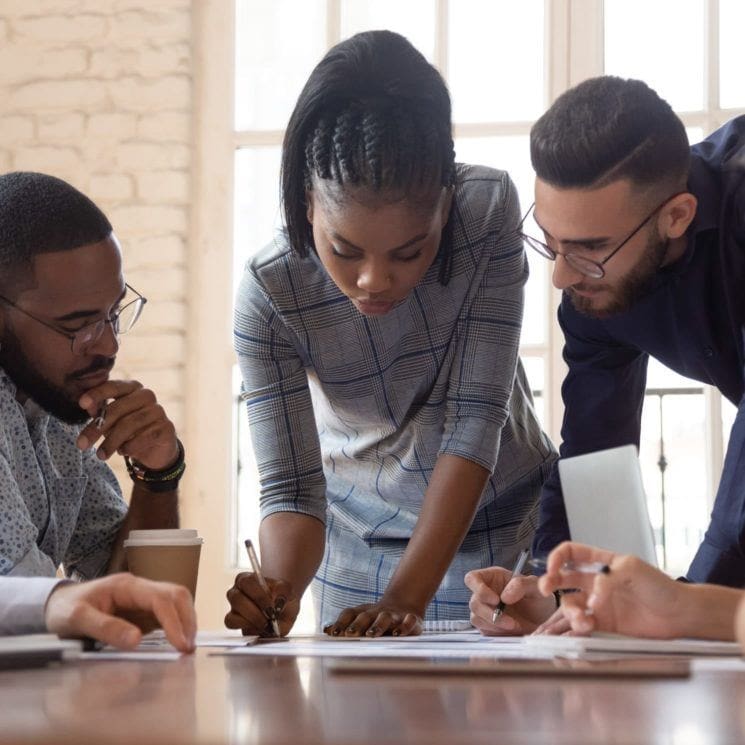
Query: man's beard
{"x": 631, "y": 288}
{"x": 28, "y": 380}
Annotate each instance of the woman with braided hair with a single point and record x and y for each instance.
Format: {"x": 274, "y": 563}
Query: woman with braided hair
{"x": 377, "y": 336}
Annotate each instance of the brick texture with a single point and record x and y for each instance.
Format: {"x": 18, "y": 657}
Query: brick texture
{"x": 99, "y": 94}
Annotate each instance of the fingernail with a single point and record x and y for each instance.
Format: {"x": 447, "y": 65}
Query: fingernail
{"x": 129, "y": 638}
{"x": 85, "y": 401}
{"x": 351, "y": 629}
{"x": 101, "y": 454}
{"x": 280, "y": 604}
{"x": 396, "y": 632}
{"x": 336, "y": 631}
{"x": 372, "y": 631}
{"x": 83, "y": 443}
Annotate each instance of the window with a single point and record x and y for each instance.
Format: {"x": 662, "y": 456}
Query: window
{"x": 504, "y": 62}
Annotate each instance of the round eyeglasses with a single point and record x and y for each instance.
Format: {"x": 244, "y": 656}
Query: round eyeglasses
{"x": 121, "y": 321}
{"x": 584, "y": 265}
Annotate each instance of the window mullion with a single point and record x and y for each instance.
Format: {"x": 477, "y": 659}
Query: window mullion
{"x": 333, "y": 22}
{"x": 586, "y": 40}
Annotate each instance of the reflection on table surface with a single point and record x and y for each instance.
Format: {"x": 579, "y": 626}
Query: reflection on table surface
{"x": 215, "y": 699}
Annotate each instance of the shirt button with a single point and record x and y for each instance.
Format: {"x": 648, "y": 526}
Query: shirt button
{"x": 708, "y": 352}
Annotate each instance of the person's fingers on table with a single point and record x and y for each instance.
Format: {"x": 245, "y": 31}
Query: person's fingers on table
{"x": 171, "y": 605}
{"x": 359, "y": 625}
{"x": 108, "y": 629}
{"x": 69, "y": 613}
{"x": 411, "y": 625}
{"x": 174, "y": 610}
{"x": 343, "y": 620}
{"x": 380, "y": 625}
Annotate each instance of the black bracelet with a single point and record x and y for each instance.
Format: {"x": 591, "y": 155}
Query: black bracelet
{"x": 163, "y": 480}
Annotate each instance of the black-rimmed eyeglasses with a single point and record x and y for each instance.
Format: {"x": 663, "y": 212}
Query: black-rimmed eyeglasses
{"x": 121, "y": 321}
{"x": 584, "y": 265}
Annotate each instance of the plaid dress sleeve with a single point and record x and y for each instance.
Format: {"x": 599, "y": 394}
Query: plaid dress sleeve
{"x": 280, "y": 411}
{"x": 488, "y": 330}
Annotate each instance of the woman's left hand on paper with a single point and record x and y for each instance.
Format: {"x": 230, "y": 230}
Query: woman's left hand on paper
{"x": 377, "y": 619}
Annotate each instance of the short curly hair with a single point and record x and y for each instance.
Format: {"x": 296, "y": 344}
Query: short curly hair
{"x": 43, "y": 214}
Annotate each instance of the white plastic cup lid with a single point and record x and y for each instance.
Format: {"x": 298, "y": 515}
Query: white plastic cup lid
{"x": 159, "y": 535}
{"x": 166, "y": 537}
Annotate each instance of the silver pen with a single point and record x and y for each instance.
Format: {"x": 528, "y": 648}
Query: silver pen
{"x": 582, "y": 567}
{"x": 517, "y": 569}
{"x": 259, "y": 576}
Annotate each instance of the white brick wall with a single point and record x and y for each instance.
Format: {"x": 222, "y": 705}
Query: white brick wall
{"x": 98, "y": 92}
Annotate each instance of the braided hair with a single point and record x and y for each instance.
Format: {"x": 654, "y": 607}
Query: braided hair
{"x": 373, "y": 114}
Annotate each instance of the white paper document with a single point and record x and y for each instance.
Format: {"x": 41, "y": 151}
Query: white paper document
{"x": 442, "y": 646}
{"x": 578, "y": 645}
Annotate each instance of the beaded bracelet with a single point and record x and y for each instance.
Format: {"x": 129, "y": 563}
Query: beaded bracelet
{"x": 158, "y": 481}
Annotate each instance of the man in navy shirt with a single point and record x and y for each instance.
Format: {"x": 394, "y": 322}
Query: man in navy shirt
{"x": 648, "y": 239}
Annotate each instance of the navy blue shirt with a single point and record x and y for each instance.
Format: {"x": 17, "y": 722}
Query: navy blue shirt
{"x": 691, "y": 320}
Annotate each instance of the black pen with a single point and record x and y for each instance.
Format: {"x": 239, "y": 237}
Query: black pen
{"x": 517, "y": 569}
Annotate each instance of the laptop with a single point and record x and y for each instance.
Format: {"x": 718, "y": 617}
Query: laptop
{"x": 605, "y": 502}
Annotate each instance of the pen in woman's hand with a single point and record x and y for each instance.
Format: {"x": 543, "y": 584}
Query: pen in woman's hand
{"x": 517, "y": 569}
{"x": 260, "y": 577}
{"x": 583, "y": 567}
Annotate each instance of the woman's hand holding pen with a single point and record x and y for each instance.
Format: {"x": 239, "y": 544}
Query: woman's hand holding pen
{"x": 525, "y": 606}
{"x": 389, "y": 618}
{"x": 252, "y": 609}
{"x": 631, "y": 598}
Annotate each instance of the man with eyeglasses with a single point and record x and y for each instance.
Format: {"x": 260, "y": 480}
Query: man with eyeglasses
{"x": 63, "y": 306}
{"x": 647, "y": 237}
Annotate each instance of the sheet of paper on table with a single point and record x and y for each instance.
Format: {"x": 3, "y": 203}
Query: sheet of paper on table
{"x": 578, "y": 645}
{"x": 453, "y": 645}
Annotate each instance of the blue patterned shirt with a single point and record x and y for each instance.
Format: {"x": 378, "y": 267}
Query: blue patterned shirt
{"x": 349, "y": 413}
{"x": 58, "y": 505}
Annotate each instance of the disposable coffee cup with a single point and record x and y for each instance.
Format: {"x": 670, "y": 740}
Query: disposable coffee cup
{"x": 165, "y": 556}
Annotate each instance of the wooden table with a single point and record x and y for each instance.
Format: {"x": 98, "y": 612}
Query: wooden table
{"x": 287, "y": 701}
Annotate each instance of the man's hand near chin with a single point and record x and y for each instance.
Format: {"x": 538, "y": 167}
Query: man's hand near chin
{"x": 132, "y": 423}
